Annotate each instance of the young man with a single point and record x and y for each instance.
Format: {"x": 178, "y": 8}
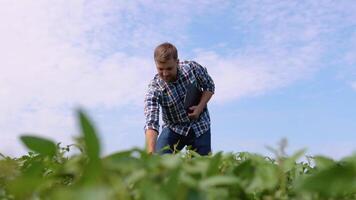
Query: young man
{"x": 168, "y": 90}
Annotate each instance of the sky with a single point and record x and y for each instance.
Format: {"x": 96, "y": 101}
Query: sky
{"x": 282, "y": 69}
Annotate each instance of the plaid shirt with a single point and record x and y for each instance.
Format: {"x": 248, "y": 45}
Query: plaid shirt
{"x": 170, "y": 96}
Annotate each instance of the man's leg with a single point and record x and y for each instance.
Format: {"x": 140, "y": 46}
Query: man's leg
{"x": 202, "y": 144}
{"x": 170, "y": 138}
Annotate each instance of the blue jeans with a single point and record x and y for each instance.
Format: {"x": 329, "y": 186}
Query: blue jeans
{"x": 202, "y": 144}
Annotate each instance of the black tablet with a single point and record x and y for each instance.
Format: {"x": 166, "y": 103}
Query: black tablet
{"x": 192, "y": 97}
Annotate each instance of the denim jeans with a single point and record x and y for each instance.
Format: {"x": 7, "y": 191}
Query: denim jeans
{"x": 202, "y": 144}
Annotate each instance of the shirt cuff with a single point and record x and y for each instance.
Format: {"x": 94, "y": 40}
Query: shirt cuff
{"x": 151, "y": 126}
{"x": 210, "y": 89}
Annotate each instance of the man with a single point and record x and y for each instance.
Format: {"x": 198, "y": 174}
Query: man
{"x": 168, "y": 90}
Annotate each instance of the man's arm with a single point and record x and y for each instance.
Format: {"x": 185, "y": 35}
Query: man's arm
{"x": 205, "y": 97}
{"x": 208, "y": 86}
{"x": 204, "y": 79}
{"x": 151, "y": 138}
{"x": 151, "y": 111}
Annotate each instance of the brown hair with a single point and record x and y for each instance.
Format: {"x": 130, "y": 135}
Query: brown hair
{"x": 165, "y": 52}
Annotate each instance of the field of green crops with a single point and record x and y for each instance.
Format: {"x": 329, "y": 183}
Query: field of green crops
{"x": 51, "y": 171}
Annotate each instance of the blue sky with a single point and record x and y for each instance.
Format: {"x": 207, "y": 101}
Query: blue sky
{"x": 282, "y": 69}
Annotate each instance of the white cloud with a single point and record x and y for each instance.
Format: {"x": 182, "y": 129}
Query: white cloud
{"x": 56, "y": 55}
{"x": 285, "y": 41}
{"x": 349, "y": 60}
{"x": 290, "y": 25}
{"x": 353, "y": 85}
{"x": 252, "y": 74}
{"x": 48, "y": 67}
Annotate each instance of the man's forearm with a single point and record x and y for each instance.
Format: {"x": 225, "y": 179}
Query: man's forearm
{"x": 151, "y": 138}
{"x": 205, "y": 98}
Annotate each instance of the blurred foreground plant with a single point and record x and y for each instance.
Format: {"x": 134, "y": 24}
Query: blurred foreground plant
{"x": 48, "y": 172}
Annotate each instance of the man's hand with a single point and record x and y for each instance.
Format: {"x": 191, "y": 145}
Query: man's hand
{"x": 195, "y": 112}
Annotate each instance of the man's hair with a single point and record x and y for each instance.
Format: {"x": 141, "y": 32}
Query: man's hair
{"x": 165, "y": 52}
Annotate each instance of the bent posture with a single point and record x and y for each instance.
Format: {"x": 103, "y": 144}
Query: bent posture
{"x": 167, "y": 90}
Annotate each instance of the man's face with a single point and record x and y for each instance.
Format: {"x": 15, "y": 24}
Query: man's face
{"x": 168, "y": 70}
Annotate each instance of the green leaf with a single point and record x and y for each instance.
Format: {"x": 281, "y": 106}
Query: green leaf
{"x": 25, "y": 185}
{"x": 197, "y": 167}
{"x": 171, "y": 183}
{"x": 289, "y": 162}
{"x": 8, "y": 168}
{"x": 217, "y": 181}
{"x": 245, "y": 171}
{"x": 170, "y": 161}
{"x": 257, "y": 174}
{"x": 40, "y": 145}
{"x": 118, "y": 155}
{"x": 93, "y": 169}
{"x": 214, "y": 164}
{"x": 266, "y": 177}
{"x": 323, "y": 162}
{"x": 91, "y": 140}
{"x": 350, "y": 159}
{"x": 335, "y": 180}
{"x": 149, "y": 190}
{"x": 136, "y": 176}
{"x": 188, "y": 180}
{"x": 83, "y": 193}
